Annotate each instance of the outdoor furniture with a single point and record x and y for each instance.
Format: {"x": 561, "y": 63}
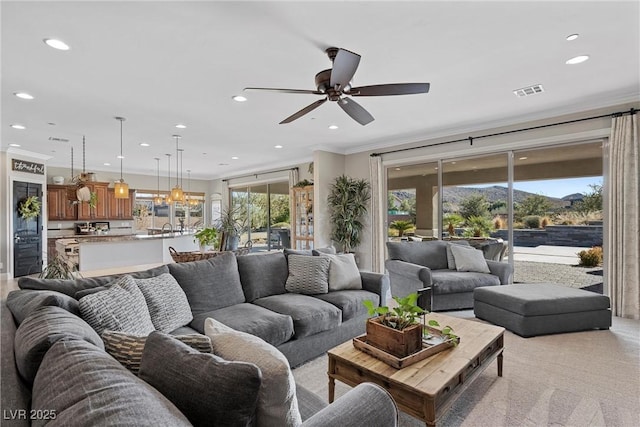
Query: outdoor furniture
{"x": 531, "y": 309}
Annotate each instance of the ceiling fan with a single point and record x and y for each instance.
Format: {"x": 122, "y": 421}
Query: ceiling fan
{"x": 335, "y": 85}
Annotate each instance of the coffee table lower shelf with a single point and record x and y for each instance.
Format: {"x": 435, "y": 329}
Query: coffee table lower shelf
{"x": 425, "y": 389}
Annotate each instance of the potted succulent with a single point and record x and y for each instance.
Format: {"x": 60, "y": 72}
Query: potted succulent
{"x": 207, "y": 237}
{"x": 348, "y": 203}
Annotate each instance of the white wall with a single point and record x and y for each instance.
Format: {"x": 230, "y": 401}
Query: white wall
{"x": 327, "y": 166}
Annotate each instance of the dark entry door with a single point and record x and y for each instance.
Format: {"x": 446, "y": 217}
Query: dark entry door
{"x": 27, "y": 234}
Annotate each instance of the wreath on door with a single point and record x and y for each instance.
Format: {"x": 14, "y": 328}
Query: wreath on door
{"x": 29, "y": 208}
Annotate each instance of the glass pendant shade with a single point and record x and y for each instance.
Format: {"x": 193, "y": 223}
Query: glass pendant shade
{"x": 177, "y": 195}
{"x": 121, "y": 189}
{"x": 158, "y": 200}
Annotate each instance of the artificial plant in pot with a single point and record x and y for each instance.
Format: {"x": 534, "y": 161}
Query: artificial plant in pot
{"x": 207, "y": 237}
{"x": 230, "y": 224}
{"x": 348, "y": 204}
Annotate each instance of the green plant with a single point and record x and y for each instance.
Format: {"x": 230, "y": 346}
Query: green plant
{"x": 474, "y": 205}
{"x": 591, "y": 257}
{"x": 303, "y": 183}
{"x": 348, "y": 203}
{"x": 452, "y": 220}
{"x": 479, "y": 226}
{"x": 207, "y": 237}
{"x": 93, "y": 199}
{"x": 531, "y": 221}
{"x": 535, "y": 204}
{"x": 231, "y": 222}
{"x": 401, "y": 226}
{"x": 56, "y": 268}
{"x": 29, "y": 208}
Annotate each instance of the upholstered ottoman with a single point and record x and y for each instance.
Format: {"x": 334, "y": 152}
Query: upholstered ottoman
{"x": 531, "y": 309}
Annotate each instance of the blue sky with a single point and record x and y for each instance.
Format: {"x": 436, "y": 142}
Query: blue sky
{"x": 552, "y": 187}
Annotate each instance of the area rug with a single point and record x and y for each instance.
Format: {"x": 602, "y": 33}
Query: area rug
{"x": 579, "y": 379}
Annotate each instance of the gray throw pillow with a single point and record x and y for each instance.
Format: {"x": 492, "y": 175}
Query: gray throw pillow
{"x": 122, "y": 307}
{"x": 43, "y": 328}
{"x": 262, "y": 274}
{"x": 127, "y": 349}
{"x": 277, "y": 402}
{"x": 451, "y": 262}
{"x": 206, "y": 388}
{"x": 23, "y": 302}
{"x": 308, "y": 275}
{"x": 469, "y": 259}
{"x": 84, "y": 386}
{"x": 343, "y": 272}
{"x": 330, "y": 250}
{"x": 167, "y": 303}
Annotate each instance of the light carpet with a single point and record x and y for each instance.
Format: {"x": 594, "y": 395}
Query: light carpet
{"x": 579, "y": 379}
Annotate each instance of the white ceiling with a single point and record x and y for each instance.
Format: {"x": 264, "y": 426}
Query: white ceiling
{"x": 162, "y": 63}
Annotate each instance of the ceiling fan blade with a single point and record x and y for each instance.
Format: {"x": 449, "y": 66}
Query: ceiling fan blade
{"x": 272, "y": 89}
{"x": 304, "y": 111}
{"x": 390, "y": 89}
{"x": 345, "y": 65}
{"x": 356, "y": 111}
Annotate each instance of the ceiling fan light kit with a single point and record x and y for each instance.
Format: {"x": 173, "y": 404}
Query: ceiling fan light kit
{"x": 335, "y": 85}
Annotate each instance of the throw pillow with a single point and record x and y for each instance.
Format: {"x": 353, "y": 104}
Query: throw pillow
{"x": 343, "y": 272}
{"x": 23, "y": 302}
{"x": 308, "y": 275}
{"x": 277, "y": 401}
{"x": 206, "y": 388}
{"x": 469, "y": 259}
{"x": 330, "y": 250}
{"x": 166, "y": 301}
{"x": 451, "y": 262}
{"x": 127, "y": 349}
{"x": 122, "y": 307}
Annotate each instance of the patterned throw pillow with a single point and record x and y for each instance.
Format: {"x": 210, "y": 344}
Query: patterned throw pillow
{"x": 127, "y": 349}
{"x": 308, "y": 275}
{"x": 167, "y": 302}
{"x": 122, "y": 307}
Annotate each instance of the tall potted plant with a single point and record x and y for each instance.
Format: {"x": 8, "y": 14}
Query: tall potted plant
{"x": 230, "y": 224}
{"x": 348, "y": 203}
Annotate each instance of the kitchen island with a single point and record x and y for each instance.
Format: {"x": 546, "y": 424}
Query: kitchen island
{"x": 99, "y": 252}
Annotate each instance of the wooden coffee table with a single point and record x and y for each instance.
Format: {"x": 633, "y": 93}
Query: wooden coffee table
{"x": 425, "y": 389}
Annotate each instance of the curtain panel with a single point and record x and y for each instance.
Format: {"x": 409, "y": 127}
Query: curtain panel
{"x": 622, "y": 253}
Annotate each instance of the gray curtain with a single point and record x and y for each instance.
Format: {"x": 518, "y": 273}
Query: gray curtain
{"x": 622, "y": 252}
{"x": 378, "y": 213}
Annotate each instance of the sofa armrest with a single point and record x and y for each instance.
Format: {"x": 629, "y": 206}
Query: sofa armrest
{"x": 16, "y": 396}
{"x": 366, "y": 405}
{"x": 407, "y": 278}
{"x": 501, "y": 269}
{"x": 377, "y": 283}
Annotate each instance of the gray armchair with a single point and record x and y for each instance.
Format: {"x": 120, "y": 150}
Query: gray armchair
{"x": 417, "y": 265}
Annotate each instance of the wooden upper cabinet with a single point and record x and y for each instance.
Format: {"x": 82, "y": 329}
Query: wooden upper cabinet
{"x": 59, "y": 207}
{"x": 101, "y": 210}
{"x": 120, "y": 208}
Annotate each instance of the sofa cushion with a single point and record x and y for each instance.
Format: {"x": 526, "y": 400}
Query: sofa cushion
{"x": 469, "y": 259}
{"x": 71, "y": 286}
{"x": 127, "y": 349}
{"x": 262, "y": 274}
{"x": 305, "y": 252}
{"x": 43, "y": 328}
{"x": 84, "y": 386}
{"x": 308, "y": 275}
{"x": 211, "y": 283}
{"x": 274, "y": 328}
{"x": 23, "y": 302}
{"x": 277, "y": 402}
{"x": 206, "y": 388}
{"x": 167, "y": 303}
{"x": 350, "y": 302}
{"x": 122, "y": 307}
{"x": 432, "y": 254}
{"x": 451, "y": 282}
{"x": 310, "y": 315}
{"x": 343, "y": 272}
{"x": 451, "y": 261}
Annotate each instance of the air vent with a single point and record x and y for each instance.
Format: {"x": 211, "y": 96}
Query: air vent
{"x": 528, "y": 91}
{"x": 53, "y": 138}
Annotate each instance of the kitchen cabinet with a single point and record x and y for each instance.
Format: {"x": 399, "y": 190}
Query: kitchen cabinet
{"x": 101, "y": 209}
{"x": 302, "y": 224}
{"x": 59, "y": 207}
{"x": 120, "y": 208}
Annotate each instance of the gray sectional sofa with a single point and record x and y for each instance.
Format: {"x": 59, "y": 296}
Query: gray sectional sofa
{"x": 418, "y": 265}
{"x": 245, "y": 293}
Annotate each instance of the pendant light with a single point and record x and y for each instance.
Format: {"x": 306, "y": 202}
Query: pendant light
{"x": 177, "y": 194}
{"x": 121, "y": 188}
{"x": 168, "y": 199}
{"x": 158, "y": 199}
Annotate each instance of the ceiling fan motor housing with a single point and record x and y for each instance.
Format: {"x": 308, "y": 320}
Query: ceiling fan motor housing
{"x": 322, "y": 83}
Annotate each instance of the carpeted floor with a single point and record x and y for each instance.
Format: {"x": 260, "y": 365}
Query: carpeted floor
{"x": 579, "y": 379}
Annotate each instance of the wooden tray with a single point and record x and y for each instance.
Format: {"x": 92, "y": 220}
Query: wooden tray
{"x": 427, "y": 350}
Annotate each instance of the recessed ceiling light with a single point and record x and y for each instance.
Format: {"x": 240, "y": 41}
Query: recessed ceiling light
{"x": 235, "y": 158}
{"x": 453, "y": 163}
{"x": 144, "y": 144}
{"x": 181, "y": 126}
{"x": 56, "y": 44}
{"x": 277, "y": 146}
{"x": 572, "y": 37}
{"x": 14, "y": 145}
{"x": 577, "y": 59}
{"x": 17, "y": 126}
{"x": 397, "y": 169}
{"x": 239, "y": 98}
{"x": 23, "y": 95}
{"x": 523, "y": 158}
{"x": 107, "y": 164}
{"x": 333, "y": 127}
{"x": 119, "y": 156}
